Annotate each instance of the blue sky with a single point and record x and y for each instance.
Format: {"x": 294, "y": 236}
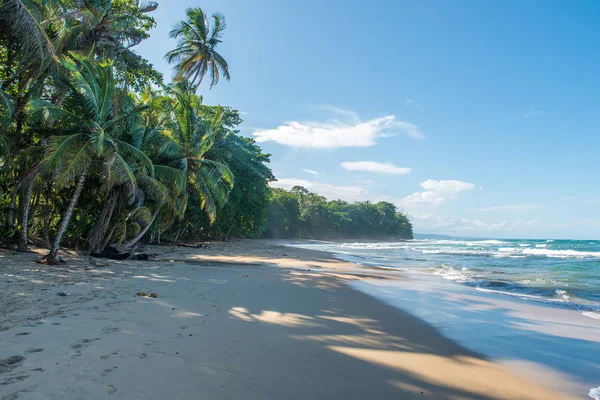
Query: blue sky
{"x": 476, "y": 118}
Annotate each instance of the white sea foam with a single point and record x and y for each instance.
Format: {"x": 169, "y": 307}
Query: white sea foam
{"x": 563, "y": 294}
{"x": 595, "y": 315}
{"x": 521, "y": 295}
{"x": 461, "y": 275}
{"x": 595, "y": 393}
{"x": 491, "y": 242}
{"x": 541, "y": 245}
{"x": 561, "y": 253}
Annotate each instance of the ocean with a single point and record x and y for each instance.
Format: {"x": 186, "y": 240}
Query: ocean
{"x": 563, "y": 272}
{"x": 532, "y": 305}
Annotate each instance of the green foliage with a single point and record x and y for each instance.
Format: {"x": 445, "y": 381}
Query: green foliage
{"x": 299, "y": 213}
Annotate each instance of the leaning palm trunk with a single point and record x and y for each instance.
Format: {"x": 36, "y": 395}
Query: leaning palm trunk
{"x": 101, "y": 226}
{"x": 137, "y": 238}
{"x": 52, "y": 257}
{"x": 22, "y": 246}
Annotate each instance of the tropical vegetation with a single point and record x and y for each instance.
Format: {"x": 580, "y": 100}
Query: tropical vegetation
{"x": 97, "y": 151}
{"x": 300, "y": 214}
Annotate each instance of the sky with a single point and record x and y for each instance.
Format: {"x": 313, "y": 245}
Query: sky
{"x": 475, "y": 118}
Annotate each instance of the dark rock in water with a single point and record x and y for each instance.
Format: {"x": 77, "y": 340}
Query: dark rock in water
{"x": 140, "y": 256}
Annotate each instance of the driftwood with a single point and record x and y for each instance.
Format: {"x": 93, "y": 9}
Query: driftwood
{"x": 114, "y": 254}
{"x": 193, "y": 245}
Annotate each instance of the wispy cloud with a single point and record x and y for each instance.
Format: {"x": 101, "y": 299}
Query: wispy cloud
{"x": 331, "y": 192}
{"x": 350, "y": 131}
{"x": 347, "y": 115}
{"x": 532, "y": 112}
{"x": 512, "y": 207}
{"x": 447, "y": 186}
{"x": 429, "y": 222}
{"x": 582, "y": 200}
{"x": 373, "y": 166}
{"x": 436, "y": 193}
{"x": 310, "y": 171}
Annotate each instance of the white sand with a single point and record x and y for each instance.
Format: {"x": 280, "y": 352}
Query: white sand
{"x": 289, "y": 330}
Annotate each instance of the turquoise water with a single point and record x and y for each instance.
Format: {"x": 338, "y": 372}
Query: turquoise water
{"x": 564, "y": 272}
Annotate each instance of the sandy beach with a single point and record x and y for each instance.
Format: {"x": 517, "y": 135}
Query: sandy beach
{"x": 240, "y": 320}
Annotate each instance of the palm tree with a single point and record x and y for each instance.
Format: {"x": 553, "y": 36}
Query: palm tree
{"x": 89, "y": 124}
{"x": 132, "y": 215}
{"x": 195, "y": 54}
{"x": 110, "y": 30}
{"x": 188, "y": 140}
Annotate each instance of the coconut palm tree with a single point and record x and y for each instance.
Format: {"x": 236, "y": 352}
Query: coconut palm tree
{"x": 195, "y": 54}
{"x": 89, "y": 124}
{"x": 109, "y": 29}
{"x": 188, "y": 140}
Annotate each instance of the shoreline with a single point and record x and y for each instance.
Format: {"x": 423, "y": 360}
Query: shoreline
{"x": 246, "y": 319}
{"x": 536, "y": 326}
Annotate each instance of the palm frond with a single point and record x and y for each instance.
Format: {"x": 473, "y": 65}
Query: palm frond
{"x": 126, "y": 148}
{"x": 22, "y": 20}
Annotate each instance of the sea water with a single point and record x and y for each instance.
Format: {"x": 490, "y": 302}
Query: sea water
{"x": 564, "y": 272}
{"x": 533, "y": 305}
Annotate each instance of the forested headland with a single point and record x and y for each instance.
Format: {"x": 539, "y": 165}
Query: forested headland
{"x": 300, "y": 214}
{"x": 98, "y": 150}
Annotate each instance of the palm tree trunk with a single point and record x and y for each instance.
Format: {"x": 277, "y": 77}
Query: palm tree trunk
{"x": 52, "y": 257}
{"x": 12, "y": 207}
{"x": 136, "y": 239}
{"x": 101, "y": 225}
{"x": 25, "y": 216}
{"x": 108, "y": 237}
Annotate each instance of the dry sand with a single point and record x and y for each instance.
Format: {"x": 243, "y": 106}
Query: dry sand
{"x": 242, "y": 320}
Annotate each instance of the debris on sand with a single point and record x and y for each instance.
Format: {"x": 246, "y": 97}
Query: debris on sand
{"x": 144, "y": 294}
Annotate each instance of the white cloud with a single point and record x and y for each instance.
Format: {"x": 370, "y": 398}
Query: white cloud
{"x": 372, "y": 166}
{"x": 420, "y": 198}
{"x": 532, "y": 111}
{"x": 310, "y": 171}
{"x": 512, "y": 207}
{"x": 450, "y": 186}
{"x": 351, "y": 132}
{"x": 436, "y": 192}
{"x": 331, "y": 192}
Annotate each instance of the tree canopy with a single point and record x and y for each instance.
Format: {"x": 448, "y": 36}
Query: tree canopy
{"x": 298, "y": 213}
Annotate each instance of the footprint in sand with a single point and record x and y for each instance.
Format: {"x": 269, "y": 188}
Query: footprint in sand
{"x": 142, "y": 355}
{"x": 56, "y": 323}
{"x": 76, "y": 346}
{"x": 23, "y": 334}
{"x": 111, "y": 389}
{"x": 34, "y": 350}
{"x": 14, "y": 379}
{"x": 104, "y": 357}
